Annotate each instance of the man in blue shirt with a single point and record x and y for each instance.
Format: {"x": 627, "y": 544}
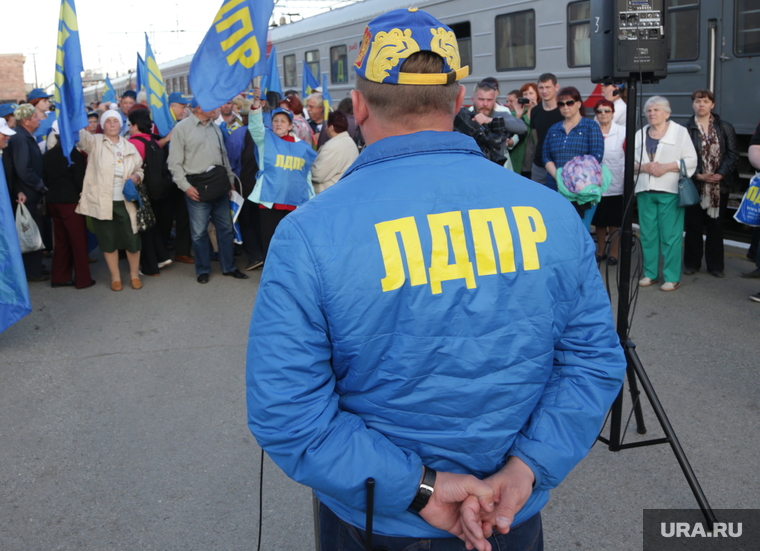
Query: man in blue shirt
{"x": 431, "y": 321}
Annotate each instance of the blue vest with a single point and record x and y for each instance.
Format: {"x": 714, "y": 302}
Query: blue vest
{"x": 284, "y": 170}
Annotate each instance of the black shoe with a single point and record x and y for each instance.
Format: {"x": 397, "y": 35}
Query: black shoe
{"x": 254, "y": 265}
{"x": 689, "y": 271}
{"x": 203, "y": 278}
{"x": 38, "y": 279}
{"x": 754, "y": 274}
{"x": 755, "y": 297}
{"x": 612, "y": 261}
{"x": 237, "y": 274}
{"x": 64, "y": 284}
{"x": 717, "y": 273}
{"x": 92, "y": 282}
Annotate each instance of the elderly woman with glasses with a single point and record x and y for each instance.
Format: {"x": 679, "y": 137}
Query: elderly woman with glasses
{"x": 659, "y": 149}
{"x": 609, "y": 214}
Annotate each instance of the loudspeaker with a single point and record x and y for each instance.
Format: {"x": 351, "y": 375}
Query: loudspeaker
{"x": 602, "y": 40}
{"x": 628, "y": 37}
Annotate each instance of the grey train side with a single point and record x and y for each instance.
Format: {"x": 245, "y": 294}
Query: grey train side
{"x": 714, "y": 44}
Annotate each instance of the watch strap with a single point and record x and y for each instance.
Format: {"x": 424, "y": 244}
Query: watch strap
{"x": 425, "y": 490}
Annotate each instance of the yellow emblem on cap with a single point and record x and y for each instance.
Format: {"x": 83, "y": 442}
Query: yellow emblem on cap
{"x": 387, "y": 50}
{"x": 444, "y": 43}
{"x": 413, "y": 9}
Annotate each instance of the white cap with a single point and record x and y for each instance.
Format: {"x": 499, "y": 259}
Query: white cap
{"x": 5, "y": 129}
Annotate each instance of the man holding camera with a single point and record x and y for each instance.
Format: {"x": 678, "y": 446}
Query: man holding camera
{"x": 492, "y": 125}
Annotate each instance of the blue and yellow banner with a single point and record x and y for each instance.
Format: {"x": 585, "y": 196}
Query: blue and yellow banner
{"x": 69, "y": 95}
{"x": 310, "y": 82}
{"x": 14, "y": 290}
{"x": 271, "y": 81}
{"x": 232, "y": 53}
{"x": 326, "y": 98}
{"x": 109, "y": 94}
{"x": 142, "y": 74}
{"x": 157, "y": 99}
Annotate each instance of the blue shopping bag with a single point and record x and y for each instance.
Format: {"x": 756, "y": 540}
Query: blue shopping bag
{"x": 749, "y": 210}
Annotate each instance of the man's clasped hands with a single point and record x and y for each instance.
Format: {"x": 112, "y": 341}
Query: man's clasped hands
{"x": 472, "y": 509}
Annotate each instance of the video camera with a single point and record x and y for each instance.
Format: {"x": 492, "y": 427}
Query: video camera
{"x": 490, "y": 137}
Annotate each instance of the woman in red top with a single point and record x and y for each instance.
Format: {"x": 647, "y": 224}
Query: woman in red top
{"x": 154, "y": 254}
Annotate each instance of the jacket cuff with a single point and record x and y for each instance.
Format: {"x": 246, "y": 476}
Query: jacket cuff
{"x": 530, "y": 463}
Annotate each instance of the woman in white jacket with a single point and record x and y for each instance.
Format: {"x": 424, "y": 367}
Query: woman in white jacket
{"x": 660, "y": 147}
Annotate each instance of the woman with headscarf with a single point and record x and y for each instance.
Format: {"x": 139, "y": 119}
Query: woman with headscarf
{"x": 112, "y": 161}
{"x": 718, "y": 152}
{"x": 660, "y": 147}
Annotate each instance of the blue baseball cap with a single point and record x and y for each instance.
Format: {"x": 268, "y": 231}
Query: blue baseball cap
{"x": 130, "y": 94}
{"x": 284, "y": 112}
{"x": 391, "y": 38}
{"x": 7, "y": 109}
{"x": 179, "y": 97}
{"x": 38, "y": 93}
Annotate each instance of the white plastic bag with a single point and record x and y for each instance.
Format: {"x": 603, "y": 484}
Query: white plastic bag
{"x": 29, "y": 236}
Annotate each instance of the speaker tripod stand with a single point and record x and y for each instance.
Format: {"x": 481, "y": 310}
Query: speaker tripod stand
{"x": 635, "y": 370}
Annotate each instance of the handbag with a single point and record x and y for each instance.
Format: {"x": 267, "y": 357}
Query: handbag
{"x": 144, "y": 215}
{"x": 749, "y": 210}
{"x": 29, "y": 237}
{"x": 687, "y": 191}
{"x": 212, "y": 184}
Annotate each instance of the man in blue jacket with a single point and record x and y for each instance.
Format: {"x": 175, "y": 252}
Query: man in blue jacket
{"x": 431, "y": 321}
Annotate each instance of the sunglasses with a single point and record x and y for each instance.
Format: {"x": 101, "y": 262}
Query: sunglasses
{"x": 569, "y": 103}
{"x": 604, "y": 110}
{"x": 487, "y": 84}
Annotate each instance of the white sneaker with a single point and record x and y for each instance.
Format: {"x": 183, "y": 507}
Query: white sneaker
{"x": 646, "y": 281}
{"x": 164, "y": 264}
{"x": 670, "y": 286}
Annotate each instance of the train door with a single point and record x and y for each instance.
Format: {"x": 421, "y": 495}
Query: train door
{"x": 737, "y": 63}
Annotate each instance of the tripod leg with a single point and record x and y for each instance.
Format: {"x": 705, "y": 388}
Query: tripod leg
{"x": 633, "y": 387}
{"x": 688, "y": 472}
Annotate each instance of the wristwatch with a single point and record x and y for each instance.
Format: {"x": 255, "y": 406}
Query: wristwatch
{"x": 424, "y": 491}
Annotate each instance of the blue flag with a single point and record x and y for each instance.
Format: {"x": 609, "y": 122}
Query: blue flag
{"x": 232, "y": 53}
{"x": 310, "y": 82}
{"x": 14, "y": 291}
{"x": 157, "y": 99}
{"x": 271, "y": 81}
{"x": 142, "y": 74}
{"x": 326, "y": 99}
{"x": 109, "y": 94}
{"x": 69, "y": 95}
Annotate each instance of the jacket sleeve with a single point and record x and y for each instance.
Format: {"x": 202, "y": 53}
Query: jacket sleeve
{"x": 588, "y": 372}
{"x": 177, "y": 158}
{"x": 86, "y": 141}
{"x": 596, "y": 142}
{"x": 688, "y": 153}
{"x": 513, "y": 124}
{"x": 293, "y": 407}
{"x": 22, "y": 165}
{"x": 731, "y": 154}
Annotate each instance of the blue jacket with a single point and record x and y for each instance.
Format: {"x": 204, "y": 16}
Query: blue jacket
{"x": 431, "y": 308}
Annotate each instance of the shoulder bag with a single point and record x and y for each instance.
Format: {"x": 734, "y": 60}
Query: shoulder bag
{"x": 687, "y": 191}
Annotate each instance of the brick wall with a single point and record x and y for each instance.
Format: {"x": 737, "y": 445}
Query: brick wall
{"x": 12, "y": 77}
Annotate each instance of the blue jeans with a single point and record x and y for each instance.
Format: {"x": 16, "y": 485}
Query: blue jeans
{"x": 219, "y": 213}
{"x": 336, "y": 535}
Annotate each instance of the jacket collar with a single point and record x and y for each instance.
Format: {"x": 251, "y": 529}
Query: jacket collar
{"x": 418, "y": 143}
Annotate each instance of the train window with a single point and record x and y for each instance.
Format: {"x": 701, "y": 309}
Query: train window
{"x": 338, "y": 64}
{"x": 516, "y": 41}
{"x": 289, "y": 68}
{"x": 683, "y": 25}
{"x": 747, "y": 28}
{"x": 182, "y": 88}
{"x": 464, "y": 40}
{"x": 579, "y": 34}
{"x": 312, "y": 60}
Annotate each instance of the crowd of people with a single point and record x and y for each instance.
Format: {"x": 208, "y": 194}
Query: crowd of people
{"x": 536, "y": 132}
